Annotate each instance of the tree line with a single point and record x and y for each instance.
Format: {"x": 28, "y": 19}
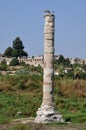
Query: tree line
{"x": 76, "y": 70}
{"x": 17, "y": 49}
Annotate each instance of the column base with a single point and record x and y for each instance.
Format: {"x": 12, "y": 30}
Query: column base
{"x": 47, "y": 114}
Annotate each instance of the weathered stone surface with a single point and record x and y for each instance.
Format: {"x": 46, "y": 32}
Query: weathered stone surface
{"x": 49, "y": 49}
{"x": 49, "y": 36}
{"x": 49, "y": 43}
{"x": 46, "y": 112}
{"x": 49, "y": 30}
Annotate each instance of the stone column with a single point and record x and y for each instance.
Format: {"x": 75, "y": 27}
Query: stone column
{"x": 48, "y": 59}
{"x": 46, "y": 112}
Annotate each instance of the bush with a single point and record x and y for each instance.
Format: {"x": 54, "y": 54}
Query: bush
{"x": 21, "y": 85}
{"x": 3, "y": 65}
{"x": 83, "y": 76}
{"x": 14, "y": 62}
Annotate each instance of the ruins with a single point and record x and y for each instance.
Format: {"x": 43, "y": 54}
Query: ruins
{"x": 46, "y": 113}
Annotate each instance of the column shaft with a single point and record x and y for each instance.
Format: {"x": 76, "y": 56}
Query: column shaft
{"x": 48, "y": 59}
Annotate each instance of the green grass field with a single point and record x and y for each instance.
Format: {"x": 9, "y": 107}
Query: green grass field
{"x": 23, "y": 94}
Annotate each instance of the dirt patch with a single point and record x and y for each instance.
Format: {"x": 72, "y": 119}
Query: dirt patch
{"x": 32, "y": 126}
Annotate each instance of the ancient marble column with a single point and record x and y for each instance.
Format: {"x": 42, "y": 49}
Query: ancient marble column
{"x": 46, "y": 113}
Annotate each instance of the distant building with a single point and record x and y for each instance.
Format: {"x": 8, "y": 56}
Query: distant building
{"x": 35, "y": 61}
{"x": 77, "y": 61}
{"x": 8, "y": 60}
{"x": 39, "y": 60}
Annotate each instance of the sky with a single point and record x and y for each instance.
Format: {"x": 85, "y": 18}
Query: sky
{"x": 25, "y": 19}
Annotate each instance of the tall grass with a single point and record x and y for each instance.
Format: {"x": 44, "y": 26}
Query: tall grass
{"x": 71, "y": 88}
{"x": 23, "y": 93}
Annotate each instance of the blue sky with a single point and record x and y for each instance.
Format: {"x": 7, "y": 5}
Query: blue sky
{"x": 25, "y": 18}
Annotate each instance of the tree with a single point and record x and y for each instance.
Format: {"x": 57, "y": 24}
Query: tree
{"x": 14, "y": 53}
{"x": 24, "y": 53}
{"x": 16, "y": 50}
{"x": 64, "y": 61}
{"x": 61, "y": 71}
{"x": 17, "y": 44}
{"x": 61, "y": 60}
{"x": 67, "y": 62}
{"x": 8, "y": 52}
{"x": 77, "y": 70}
{"x": 18, "y": 47}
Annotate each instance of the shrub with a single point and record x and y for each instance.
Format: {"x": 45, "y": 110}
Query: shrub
{"x": 14, "y": 62}
{"x": 3, "y": 65}
{"x": 21, "y": 85}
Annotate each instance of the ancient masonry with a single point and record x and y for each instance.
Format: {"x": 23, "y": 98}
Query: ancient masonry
{"x": 46, "y": 113}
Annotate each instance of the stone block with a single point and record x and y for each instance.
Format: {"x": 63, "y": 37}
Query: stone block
{"x": 49, "y": 36}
